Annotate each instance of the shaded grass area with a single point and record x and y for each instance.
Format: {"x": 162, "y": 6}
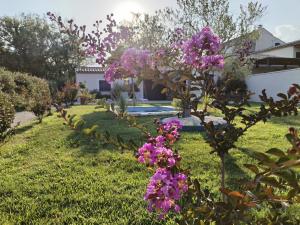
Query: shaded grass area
{"x": 52, "y": 175}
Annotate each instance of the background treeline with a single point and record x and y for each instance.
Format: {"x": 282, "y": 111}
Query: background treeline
{"x": 32, "y": 44}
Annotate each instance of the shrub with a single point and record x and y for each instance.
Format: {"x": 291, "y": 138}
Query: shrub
{"x": 27, "y": 92}
{"x": 86, "y": 97}
{"x": 116, "y": 91}
{"x": 122, "y": 105}
{"x": 70, "y": 92}
{"x": 40, "y": 98}
{"x": 7, "y": 114}
{"x": 235, "y": 88}
{"x": 7, "y": 83}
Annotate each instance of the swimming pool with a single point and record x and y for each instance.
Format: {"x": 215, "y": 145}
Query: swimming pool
{"x": 151, "y": 110}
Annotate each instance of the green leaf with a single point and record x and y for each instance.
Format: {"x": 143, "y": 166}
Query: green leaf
{"x": 276, "y": 151}
{"x": 253, "y": 168}
{"x": 271, "y": 181}
{"x": 290, "y": 138}
{"x": 289, "y": 176}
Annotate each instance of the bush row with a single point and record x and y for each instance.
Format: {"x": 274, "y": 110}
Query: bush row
{"x": 25, "y": 92}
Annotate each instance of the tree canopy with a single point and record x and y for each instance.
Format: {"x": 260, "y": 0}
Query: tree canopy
{"x": 29, "y": 43}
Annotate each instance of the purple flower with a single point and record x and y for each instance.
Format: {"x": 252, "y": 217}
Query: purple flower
{"x": 160, "y": 141}
{"x": 201, "y": 50}
{"x": 134, "y": 60}
{"x": 147, "y": 154}
{"x": 172, "y": 124}
{"x": 112, "y": 73}
{"x": 164, "y": 190}
{"x": 164, "y": 157}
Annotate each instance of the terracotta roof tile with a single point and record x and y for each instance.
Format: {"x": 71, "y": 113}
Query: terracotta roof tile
{"x": 88, "y": 69}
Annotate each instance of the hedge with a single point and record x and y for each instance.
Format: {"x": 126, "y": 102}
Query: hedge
{"x": 26, "y": 92}
{"x": 7, "y": 113}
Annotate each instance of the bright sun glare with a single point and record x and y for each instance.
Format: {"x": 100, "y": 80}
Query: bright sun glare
{"x": 125, "y": 9}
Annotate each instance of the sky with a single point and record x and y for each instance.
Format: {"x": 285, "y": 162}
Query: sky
{"x": 282, "y": 17}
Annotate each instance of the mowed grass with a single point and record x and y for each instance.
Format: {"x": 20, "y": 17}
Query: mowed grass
{"x": 49, "y": 174}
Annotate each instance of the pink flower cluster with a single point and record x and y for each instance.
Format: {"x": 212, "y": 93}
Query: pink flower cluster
{"x": 151, "y": 155}
{"x": 164, "y": 189}
{"x": 112, "y": 72}
{"x": 167, "y": 184}
{"x": 130, "y": 64}
{"x": 201, "y": 50}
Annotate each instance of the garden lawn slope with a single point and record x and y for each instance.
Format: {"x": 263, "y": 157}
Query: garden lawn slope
{"x": 51, "y": 174}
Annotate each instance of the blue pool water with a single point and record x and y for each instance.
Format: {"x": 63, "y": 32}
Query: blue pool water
{"x": 138, "y": 109}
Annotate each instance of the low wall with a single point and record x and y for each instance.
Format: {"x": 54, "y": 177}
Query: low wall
{"x": 273, "y": 82}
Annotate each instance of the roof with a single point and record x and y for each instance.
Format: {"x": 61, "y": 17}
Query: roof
{"x": 279, "y": 61}
{"x": 293, "y": 43}
{"x": 89, "y": 69}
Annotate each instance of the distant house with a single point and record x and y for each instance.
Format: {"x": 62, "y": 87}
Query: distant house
{"x": 276, "y": 67}
{"x": 93, "y": 78}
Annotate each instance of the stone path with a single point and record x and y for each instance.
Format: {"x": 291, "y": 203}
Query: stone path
{"x": 22, "y": 118}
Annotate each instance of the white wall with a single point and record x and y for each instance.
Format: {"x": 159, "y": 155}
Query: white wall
{"x": 91, "y": 80}
{"x": 285, "y": 52}
{"x": 274, "y": 82}
{"x": 296, "y": 50}
{"x": 266, "y": 40}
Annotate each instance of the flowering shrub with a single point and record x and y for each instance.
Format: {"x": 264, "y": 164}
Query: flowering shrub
{"x": 169, "y": 183}
{"x": 184, "y": 67}
{"x": 200, "y": 51}
{"x": 164, "y": 190}
{"x": 130, "y": 64}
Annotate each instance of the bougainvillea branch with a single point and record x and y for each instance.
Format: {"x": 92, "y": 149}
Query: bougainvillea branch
{"x": 100, "y": 42}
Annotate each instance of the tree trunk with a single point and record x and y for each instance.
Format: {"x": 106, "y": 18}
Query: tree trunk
{"x": 222, "y": 157}
{"x": 133, "y": 93}
{"x": 186, "y": 112}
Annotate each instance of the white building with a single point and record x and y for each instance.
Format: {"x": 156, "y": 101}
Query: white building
{"x": 276, "y": 69}
{"x": 93, "y": 78}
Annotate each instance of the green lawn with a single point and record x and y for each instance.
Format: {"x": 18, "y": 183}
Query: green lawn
{"x": 52, "y": 175}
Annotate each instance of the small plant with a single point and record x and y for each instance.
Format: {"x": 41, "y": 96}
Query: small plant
{"x": 69, "y": 93}
{"x": 122, "y": 106}
{"x": 116, "y": 91}
{"x": 85, "y": 97}
{"x": 41, "y": 98}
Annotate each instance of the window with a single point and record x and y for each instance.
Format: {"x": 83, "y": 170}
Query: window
{"x": 104, "y": 86}
{"x": 277, "y": 43}
{"x": 298, "y": 55}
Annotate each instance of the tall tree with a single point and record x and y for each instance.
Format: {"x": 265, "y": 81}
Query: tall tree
{"x": 28, "y": 43}
{"x": 235, "y": 30}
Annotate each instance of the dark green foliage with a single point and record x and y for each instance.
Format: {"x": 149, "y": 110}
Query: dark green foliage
{"x": 26, "y": 92}
{"x": 7, "y": 114}
{"x": 99, "y": 95}
{"x": 234, "y": 88}
{"x": 7, "y": 83}
{"x": 33, "y": 45}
